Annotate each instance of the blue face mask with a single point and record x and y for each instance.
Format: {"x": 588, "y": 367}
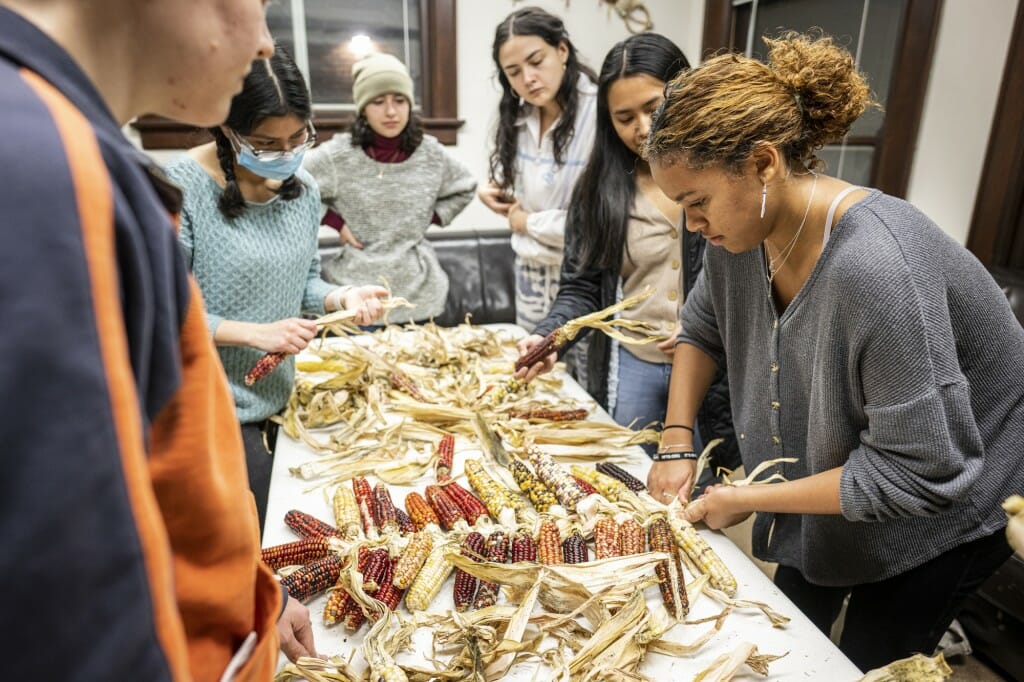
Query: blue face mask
{"x": 273, "y": 169}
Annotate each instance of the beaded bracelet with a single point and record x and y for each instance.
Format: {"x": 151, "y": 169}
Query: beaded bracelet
{"x": 672, "y": 456}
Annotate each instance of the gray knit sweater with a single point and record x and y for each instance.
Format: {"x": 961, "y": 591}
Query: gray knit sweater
{"x": 260, "y": 267}
{"x": 900, "y": 361}
{"x": 388, "y": 207}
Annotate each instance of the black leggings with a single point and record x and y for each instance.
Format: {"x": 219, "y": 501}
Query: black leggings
{"x": 905, "y": 614}
{"x": 259, "y": 461}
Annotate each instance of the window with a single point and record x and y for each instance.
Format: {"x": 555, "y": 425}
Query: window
{"x": 327, "y": 37}
{"x": 892, "y": 41}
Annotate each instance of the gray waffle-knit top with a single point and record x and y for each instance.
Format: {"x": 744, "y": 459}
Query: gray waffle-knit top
{"x": 260, "y": 267}
{"x": 388, "y": 207}
{"x": 898, "y": 360}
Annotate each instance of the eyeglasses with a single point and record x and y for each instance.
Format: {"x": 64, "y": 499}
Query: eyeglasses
{"x": 275, "y": 154}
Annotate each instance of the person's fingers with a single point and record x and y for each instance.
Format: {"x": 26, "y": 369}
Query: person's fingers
{"x": 304, "y": 638}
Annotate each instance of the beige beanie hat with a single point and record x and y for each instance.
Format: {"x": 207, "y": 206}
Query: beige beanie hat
{"x": 379, "y": 74}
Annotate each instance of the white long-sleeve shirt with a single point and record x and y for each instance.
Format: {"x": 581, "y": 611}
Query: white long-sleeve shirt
{"x": 543, "y": 187}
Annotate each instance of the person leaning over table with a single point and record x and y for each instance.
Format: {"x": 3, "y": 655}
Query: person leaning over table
{"x": 131, "y": 550}
{"x": 623, "y": 235}
{"x": 249, "y": 231}
{"x": 544, "y": 135}
{"x": 389, "y": 182}
{"x": 860, "y": 340}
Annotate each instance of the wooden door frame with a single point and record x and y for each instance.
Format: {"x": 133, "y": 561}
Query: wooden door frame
{"x": 894, "y": 160}
{"x": 999, "y": 204}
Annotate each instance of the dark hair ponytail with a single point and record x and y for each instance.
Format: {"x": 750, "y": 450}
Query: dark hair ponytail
{"x": 274, "y": 87}
{"x": 533, "y": 21}
{"x": 602, "y": 198}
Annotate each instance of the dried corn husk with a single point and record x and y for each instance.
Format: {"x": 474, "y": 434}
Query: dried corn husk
{"x": 917, "y": 668}
{"x": 1014, "y": 508}
{"x": 727, "y": 665}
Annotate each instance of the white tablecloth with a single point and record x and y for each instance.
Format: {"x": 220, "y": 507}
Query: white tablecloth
{"x": 810, "y": 655}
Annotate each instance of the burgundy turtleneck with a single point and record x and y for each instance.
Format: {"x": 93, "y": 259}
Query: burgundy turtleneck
{"x": 383, "y": 150}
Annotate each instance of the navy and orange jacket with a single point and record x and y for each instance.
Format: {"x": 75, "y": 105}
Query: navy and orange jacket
{"x": 129, "y": 547}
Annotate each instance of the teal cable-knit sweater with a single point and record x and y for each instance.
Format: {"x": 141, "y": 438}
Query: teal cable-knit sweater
{"x": 260, "y": 267}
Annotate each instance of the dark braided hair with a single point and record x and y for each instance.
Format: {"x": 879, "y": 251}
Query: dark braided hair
{"x": 533, "y": 21}
{"x": 274, "y": 87}
{"x": 408, "y": 140}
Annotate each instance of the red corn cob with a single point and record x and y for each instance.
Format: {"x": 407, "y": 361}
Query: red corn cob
{"x": 295, "y": 553}
{"x": 671, "y": 581}
{"x": 405, "y": 524}
{"x": 524, "y": 547}
{"x": 364, "y": 498}
{"x": 374, "y": 575}
{"x": 497, "y": 552}
{"x": 445, "y": 454}
{"x": 384, "y": 516}
{"x": 308, "y": 526}
{"x": 420, "y": 511}
{"x": 550, "y": 415}
{"x": 313, "y": 578}
{"x": 551, "y": 343}
{"x": 465, "y": 584}
{"x": 587, "y": 488}
{"x": 469, "y": 503}
{"x": 263, "y": 367}
{"x": 448, "y": 511}
{"x": 388, "y": 594}
{"x": 620, "y": 474}
{"x": 606, "y": 538}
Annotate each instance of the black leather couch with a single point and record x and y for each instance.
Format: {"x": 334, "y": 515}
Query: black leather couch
{"x": 481, "y": 278}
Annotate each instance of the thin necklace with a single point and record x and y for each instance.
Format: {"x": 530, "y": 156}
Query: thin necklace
{"x": 775, "y": 264}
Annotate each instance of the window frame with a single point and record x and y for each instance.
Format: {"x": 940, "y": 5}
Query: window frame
{"x": 894, "y": 151}
{"x": 438, "y": 108}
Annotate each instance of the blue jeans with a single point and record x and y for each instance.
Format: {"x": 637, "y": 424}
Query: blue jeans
{"x": 642, "y": 394}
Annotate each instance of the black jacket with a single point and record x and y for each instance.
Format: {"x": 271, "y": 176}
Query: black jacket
{"x": 586, "y": 291}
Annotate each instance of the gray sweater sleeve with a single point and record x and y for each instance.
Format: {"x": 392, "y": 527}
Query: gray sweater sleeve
{"x": 922, "y": 449}
{"x": 320, "y": 164}
{"x": 457, "y": 188}
{"x": 699, "y": 324}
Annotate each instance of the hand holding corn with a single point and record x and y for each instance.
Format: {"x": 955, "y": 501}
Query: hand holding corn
{"x": 545, "y": 364}
{"x": 717, "y": 507}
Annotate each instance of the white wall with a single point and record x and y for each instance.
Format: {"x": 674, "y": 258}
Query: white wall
{"x": 963, "y": 86}
{"x": 592, "y": 29}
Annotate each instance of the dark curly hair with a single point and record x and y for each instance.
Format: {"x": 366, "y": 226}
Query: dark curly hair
{"x": 274, "y": 87}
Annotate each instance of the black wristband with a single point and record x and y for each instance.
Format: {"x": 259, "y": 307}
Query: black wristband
{"x": 672, "y": 456}
{"x": 677, "y": 426}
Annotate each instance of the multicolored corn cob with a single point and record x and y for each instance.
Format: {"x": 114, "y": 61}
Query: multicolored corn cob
{"x": 574, "y": 548}
{"x": 556, "y": 478}
{"x": 313, "y": 578}
{"x": 445, "y": 452}
{"x": 384, "y": 516}
{"x": 671, "y": 580}
{"x": 346, "y": 512}
{"x": 701, "y": 555}
{"x": 412, "y": 559}
{"x": 307, "y": 526}
{"x": 497, "y": 552}
{"x": 430, "y": 578}
{"x": 472, "y": 508}
{"x": 448, "y": 512}
{"x": 524, "y": 547}
{"x": 401, "y": 382}
{"x": 263, "y": 367}
{"x": 631, "y": 537}
{"x": 295, "y": 553}
{"x": 606, "y": 538}
{"x": 364, "y": 498}
{"x": 375, "y": 575}
{"x": 494, "y": 495}
{"x": 549, "y": 544}
{"x": 610, "y": 488}
{"x": 551, "y": 344}
{"x": 339, "y": 600}
{"x": 388, "y": 594}
{"x": 420, "y": 511}
{"x": 541, "y": 498}
{"x": 620, "y": 474}
{"x": 548, "y": 414}
{"x": 473, "y": 546}
{"x": 585, "y": 487}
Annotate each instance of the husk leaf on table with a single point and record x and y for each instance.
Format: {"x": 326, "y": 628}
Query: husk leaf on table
{"x": 916, "y": 668}
{"x": 726, "y": 666}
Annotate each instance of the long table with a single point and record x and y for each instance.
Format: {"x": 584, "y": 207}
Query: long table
{"x": 810, "y": 655}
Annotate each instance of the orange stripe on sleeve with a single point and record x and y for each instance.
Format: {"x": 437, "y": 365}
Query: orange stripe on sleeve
{"x": 94, "y": 197}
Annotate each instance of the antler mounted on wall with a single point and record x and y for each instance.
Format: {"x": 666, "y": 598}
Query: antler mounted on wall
{"x": 634, "y": 13}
